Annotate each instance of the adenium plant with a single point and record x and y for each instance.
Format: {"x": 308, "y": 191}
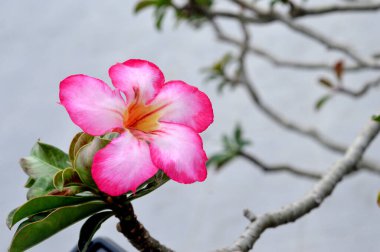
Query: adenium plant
{"x": 135, "y": 138}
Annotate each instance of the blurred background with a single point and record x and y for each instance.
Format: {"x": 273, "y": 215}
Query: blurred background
{"x": 42, "y": 42}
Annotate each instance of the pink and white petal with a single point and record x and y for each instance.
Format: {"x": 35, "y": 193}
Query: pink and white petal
{"x": 137, "y": 76}
{"x": 178, "y": 151}
{"x": 184, "y": 104}
{"x": 91, "y": 104}
{"x": 123, "y": 165}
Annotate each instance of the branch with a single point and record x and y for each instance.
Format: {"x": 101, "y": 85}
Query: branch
{"x": 308, "y": 32}
{"x": 321, "y": 190}
{"x": 370, "y": 166}
{"x": 330, "y": 44}
{"x": 362, "y": 91}
{"x": 284, "y": 122}
{"x": 287, "y": 63}
{"x": 357, "y": 7}
{"x": 297, "y": 11}
{"x": 132, "y": 229}
{"x": 232, "y": 15}
{"x": 242, "y": 74}
{"x": 280, "y": 168}
{"x": 277, "y": 117}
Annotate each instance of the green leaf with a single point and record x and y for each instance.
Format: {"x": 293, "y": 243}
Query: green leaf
{"x": 144, "y": 4}
{"x": 70, "y": 177}
{"x": 376, "y": 118}
{"x": 37, "y": 168}
{"x": 51, "y": 155}
{"x": 160, "y": 14}
{"x": 33, "y": 218}
{"x": 41, "y": 187}
{"x": 84, "y": 158}
{"x": 149, "y": 186}
{"x": 221, "y": 86}
{"x": 232, "y": 147}
{"x": 71, "y": 191}
{"x": 43, "y": 163}
{"x": 219, "y": 160}
{"x": 238, "y": 132}
{"x": 83, "y": 140}
{"x": 206, "y": 3}
{"x": 321, "y": 101}
{"x": 58, "y": 180}
{"x": 90, "y": 227}
{"x": 29, "y": 183}
{"x": 221, "y": 64}
{"x": 35, "y": 232}
{"x": 66, "y": 177}
{"x": 110, "y": 136}
{"x": 42, "y": 204}
{"x": 163, "y": 3}
{"x": 72, "y": 146}
{"x": 239, "y": 140}
{"x": 325, "y": 82}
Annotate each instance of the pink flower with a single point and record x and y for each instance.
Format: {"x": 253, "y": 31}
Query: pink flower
{"x": 158, "y": 124}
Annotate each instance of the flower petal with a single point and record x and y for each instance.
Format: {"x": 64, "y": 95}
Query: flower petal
{"x": 123, "y": 165}
{"x": 178, "y": 151}
{"x": 137, "y": 78}
{"x": 184, "y": 104}
{"x": 91, "y": 104}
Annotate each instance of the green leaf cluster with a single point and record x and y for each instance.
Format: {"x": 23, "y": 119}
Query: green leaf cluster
{"x": 376, "y": 118}
{"x": 51, "y": 171}
{"x": 332, "y": 86}
{"x": 193, "y": 11}
{"x": 62, "y": 192}
{"x": 41, "y": 165}
{"x": 218, "y": 72}
{"x": 47, "y": 215}
{"x": 160, "y": 9}
{"x": 233, "y": 146}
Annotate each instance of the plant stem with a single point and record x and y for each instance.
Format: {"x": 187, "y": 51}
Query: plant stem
{"x": 132, "y": 229}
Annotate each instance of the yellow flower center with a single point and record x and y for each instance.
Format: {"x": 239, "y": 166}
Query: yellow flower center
{"x": 142, "y": 117}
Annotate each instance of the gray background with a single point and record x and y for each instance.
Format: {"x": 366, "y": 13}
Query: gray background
{"x": 42, "y": 42}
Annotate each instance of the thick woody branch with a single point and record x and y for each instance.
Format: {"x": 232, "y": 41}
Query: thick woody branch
{"x": 132, "y": 229}
{"x": 321, "y": 190}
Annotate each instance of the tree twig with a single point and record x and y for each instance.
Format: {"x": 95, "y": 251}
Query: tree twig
{"x": 357, "y": 7}
{"x": 308, "y": 132}
{"x": 280, "y": 168}
{"x": 360, "y": 92}
{"x": 261, "y": 52}
{"x": 321, "y": 190}
{"x": 306, "y": 31}
{"x": 297, "y": 11}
